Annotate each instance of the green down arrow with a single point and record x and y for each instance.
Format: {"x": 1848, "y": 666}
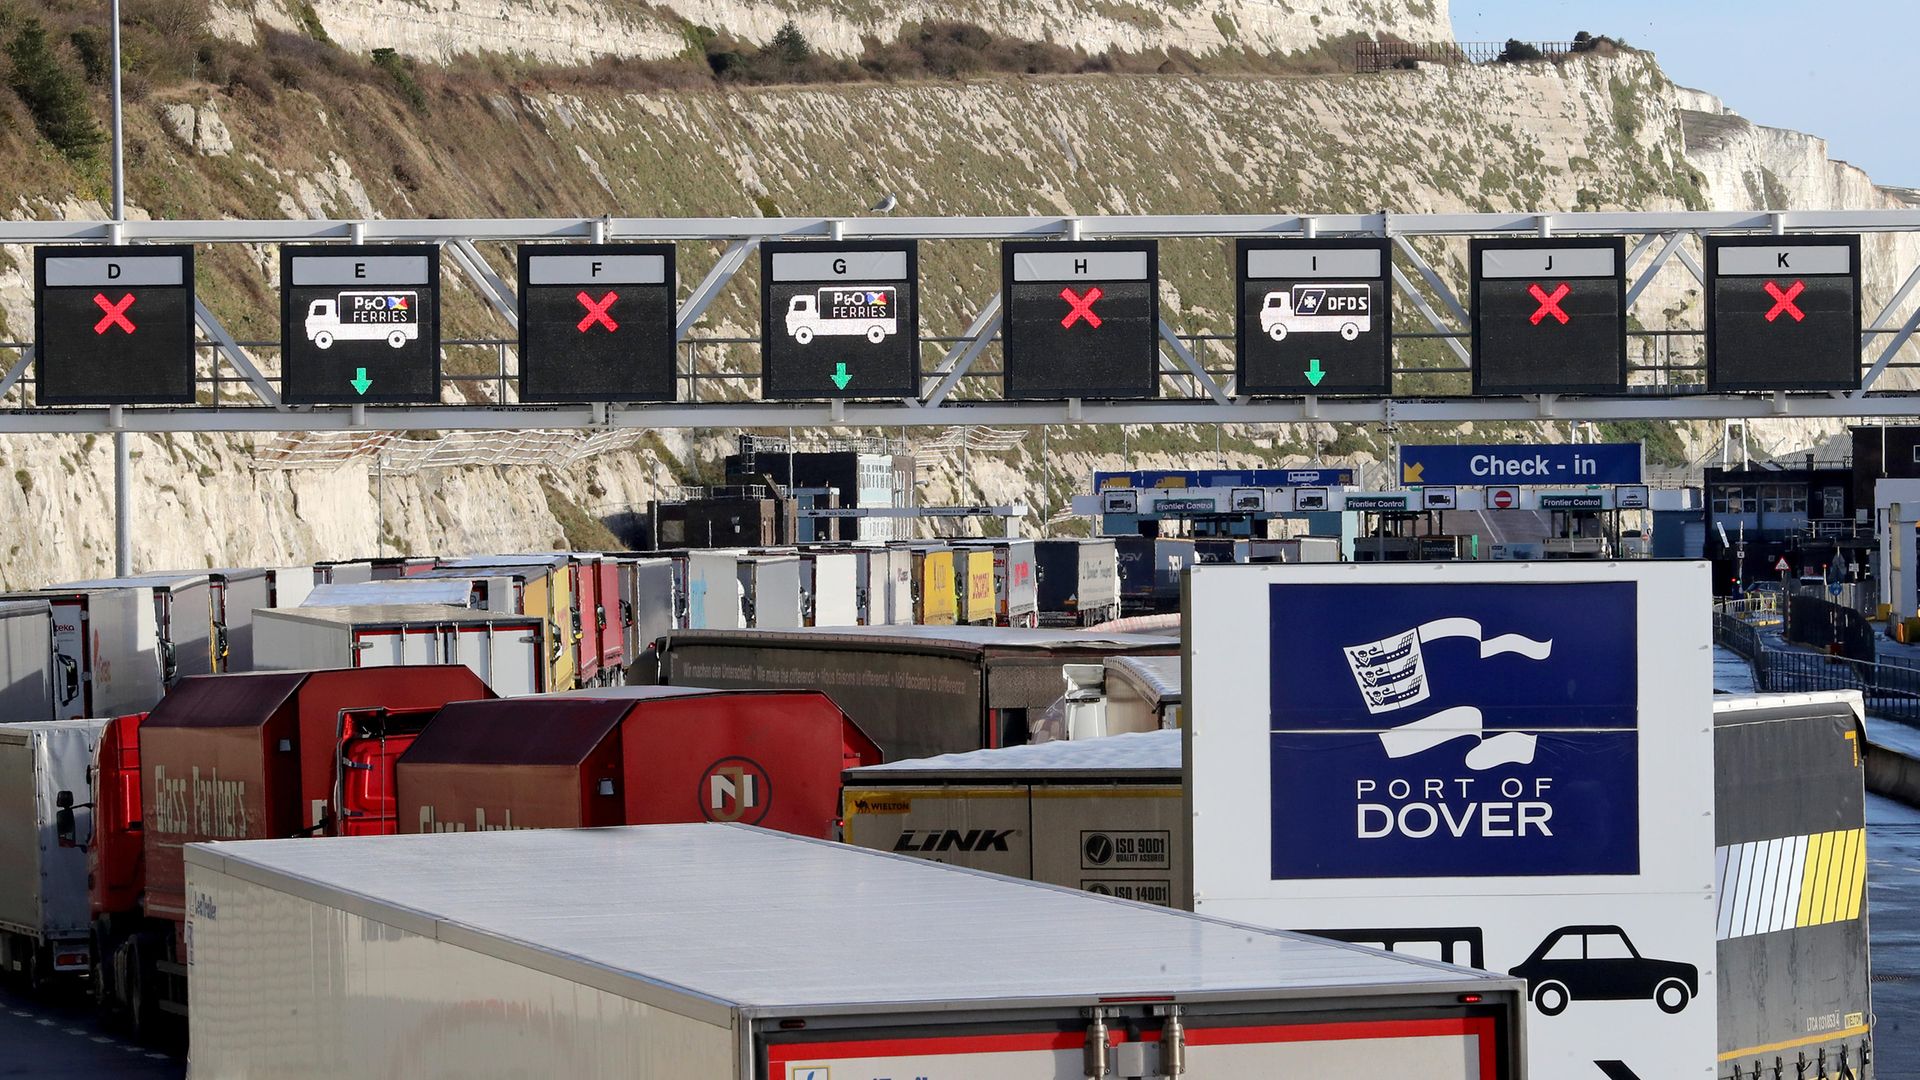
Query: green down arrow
{"x": 360, "y": 382}
{"x": 840, "y": 376}
{"x": 1314, "y": 374}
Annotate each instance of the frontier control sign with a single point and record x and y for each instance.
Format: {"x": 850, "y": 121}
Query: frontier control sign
{"x": 1500, "y": 763}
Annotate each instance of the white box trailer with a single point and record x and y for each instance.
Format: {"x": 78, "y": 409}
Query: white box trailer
{"x": 238, "y": 592}
{"x": 44, "y": 915}
{"x": 830, "y": 583}
{"x": 27, "y": 664}
{"x": 183, "y": 618}
{"x": 507, "y": 651}
{"x": 770, "y": 591}
{"x": 106, "y": 651}
{"x": 723, "y": 952}
{"x": 715, "y": 596}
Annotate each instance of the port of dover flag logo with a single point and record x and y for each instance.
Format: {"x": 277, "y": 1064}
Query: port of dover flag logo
{"x": 1454, "y": 730}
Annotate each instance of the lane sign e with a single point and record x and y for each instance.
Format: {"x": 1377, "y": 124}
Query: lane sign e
{"x": 839, "y": 319}
{"x": 1549, "y": 315}
{"x": 1314, "y": 317}
{"x": 1783, "y": 312}
{"x": 597, "y": 322}
{"x": 113, "y": 325}
{"x": 1080, "y": 319}
{"x": 359, "y": 324}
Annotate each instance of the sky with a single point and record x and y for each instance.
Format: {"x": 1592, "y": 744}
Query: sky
{"x": 1844, "y": 70}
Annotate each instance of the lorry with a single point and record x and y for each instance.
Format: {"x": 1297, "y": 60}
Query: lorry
{"x": 30, "y": 670}
{"x": 183, "y": 618}
{"x": 936, "y": 601}
{"x": 1793, "y": 977}
{"x": 390, "y": 316}
{"x": 508, "y": 651}
{"x": 1079, "y": 581}
{"x": 633, "y": 755}
{"x": 237, "y": 592}
{"x": 1344, "y": 309}
{"x": 973, "y": 585}
{"x": 722, "y": 951}
{"x": 1016, "y": 581}
{"x": 107, "y": 657}
{"x": 1150, "y": 568}
{"x": 869, "y": 311}
{"x": 830, "y": 588}
{"x": 916, "y": 690}
{"x": 263, "y": 754}
{"x": 546, "y": 592}
{"x": 43, "y": 873}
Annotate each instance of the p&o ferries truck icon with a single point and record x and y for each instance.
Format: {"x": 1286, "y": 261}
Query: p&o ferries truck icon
{"x": 1317, "y": 309}
{"x": 869, "y": 310}
{"x": 365, "y": 316}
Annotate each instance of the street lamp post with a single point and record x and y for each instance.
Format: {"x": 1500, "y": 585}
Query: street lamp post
{"x": 122, "y": 457}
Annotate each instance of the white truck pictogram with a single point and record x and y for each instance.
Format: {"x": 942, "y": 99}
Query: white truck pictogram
{"x": 1317, "y": 309}
{"x": 869, "y": 310}
{"x": 365, "y": 316}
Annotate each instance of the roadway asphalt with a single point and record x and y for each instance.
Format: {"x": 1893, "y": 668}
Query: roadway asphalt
{"x": 54, "y": 1039}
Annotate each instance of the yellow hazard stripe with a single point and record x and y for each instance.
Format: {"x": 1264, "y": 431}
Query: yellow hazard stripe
{"x": 1791, "y": 882}
{"x": 1770, "y": 1048}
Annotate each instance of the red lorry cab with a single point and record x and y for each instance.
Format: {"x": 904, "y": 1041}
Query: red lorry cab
{"x": 114, "y": 856}
{"x": 633, "y": 756}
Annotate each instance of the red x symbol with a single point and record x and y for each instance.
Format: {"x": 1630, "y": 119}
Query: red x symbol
{"x": 1550, "y": 303}
{"x": 1082, "y": 307}
{"x": 597, "y": 313}
{"x": 1783, "y": 301}
{"x": 116, "y": 314}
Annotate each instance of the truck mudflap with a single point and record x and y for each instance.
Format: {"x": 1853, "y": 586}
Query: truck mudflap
{"x": 1449, "y": 1047}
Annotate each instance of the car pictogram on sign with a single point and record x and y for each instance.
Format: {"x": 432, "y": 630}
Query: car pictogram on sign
{"x": 1599, "y": 963}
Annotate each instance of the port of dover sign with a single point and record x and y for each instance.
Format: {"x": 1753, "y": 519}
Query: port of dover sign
{"x": 1506, "y": 765}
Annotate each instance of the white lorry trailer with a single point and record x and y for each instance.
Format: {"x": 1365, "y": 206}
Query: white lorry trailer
{"x": 28, "y": 668}
{"x": 44, "y": 920}
{"x": 723, "y": 952}
{"x": 507, "y": 651}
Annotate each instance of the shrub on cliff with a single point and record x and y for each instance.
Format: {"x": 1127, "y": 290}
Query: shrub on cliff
{"x": 54, "y": 95}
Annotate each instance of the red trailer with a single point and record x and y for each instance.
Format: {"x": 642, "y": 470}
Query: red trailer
{"x": 600, "y": 646}
{"x": 633, "y": 756}
{"x": 239, "y": 757}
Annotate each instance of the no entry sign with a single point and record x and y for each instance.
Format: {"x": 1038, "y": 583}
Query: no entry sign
{"x": 1080, "y": 320}
{"x": 596, "y": 322}
{"x": 113, "y": 325}
{"x": 1549, "y": 316}
{"x": 1783, "y": 313}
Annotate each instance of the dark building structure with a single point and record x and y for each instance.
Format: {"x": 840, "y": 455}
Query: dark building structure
{"x": 1807, "y": 514}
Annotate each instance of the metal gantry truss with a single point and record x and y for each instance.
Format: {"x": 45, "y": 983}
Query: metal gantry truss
{"x": 1197, "y": 395}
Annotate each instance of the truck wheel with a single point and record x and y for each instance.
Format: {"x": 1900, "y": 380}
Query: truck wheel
{"x": 396, "y": 339}
{"x": 323, "y": 340}
{"x": 876, "y": 334}
{"x": 1672, "y": 996}
{"x": 1279, "y": 332}
{"x": 803, "y": 334}
{"x": 140, "y": 1005}
{"x": 1349, "y": 331}
{"x": 1550, "y": 998}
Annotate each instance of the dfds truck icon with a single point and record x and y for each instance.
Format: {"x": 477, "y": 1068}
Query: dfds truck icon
{"x": 872, "y": 310}
{"x": 365, "y": 316}
{"x": 1317, "y": 309}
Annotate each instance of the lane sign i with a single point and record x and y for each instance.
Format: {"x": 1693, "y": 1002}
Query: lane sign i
{"x": 1783, "y": 313}
{"x": 1080, "y": 319}
{"x": 359, "y": 324}
{"x": 839, "y": 319}
{"x": 597, "y": 322}
{"x": 1549, "y": 315}
{"x": 1313, "y": 317}
{"x": 113, "y": 325}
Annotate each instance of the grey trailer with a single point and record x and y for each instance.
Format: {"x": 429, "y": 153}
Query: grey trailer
{"x": 1016, "y": 581}
{"x": 45, "y": 820}
{"x": 724, "y": 952}
{"x": 28, "y": 667}
{"x": 237, "y": 593}
{"x": 1106, "y": 816}
{"x": 183, "y": 618}
{"x": 916, "y": 690}
{"x": 106, "y": 651}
